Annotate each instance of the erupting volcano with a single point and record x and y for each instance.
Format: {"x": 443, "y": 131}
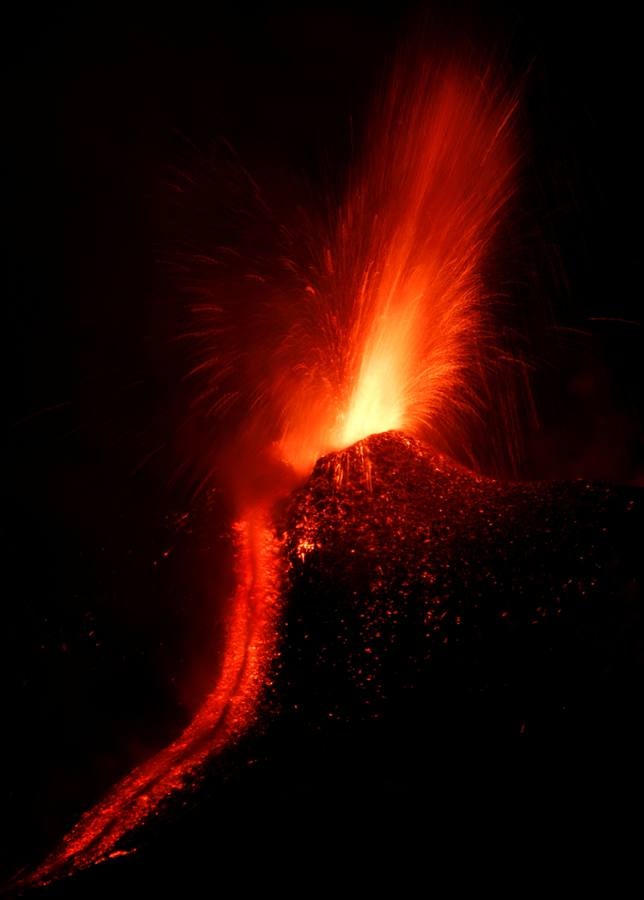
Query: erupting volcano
{"x": 391, "y": 567}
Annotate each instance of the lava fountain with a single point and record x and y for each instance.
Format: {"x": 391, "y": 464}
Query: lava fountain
{"x": 397, "y": 331}
{"x": 389, "y": 326}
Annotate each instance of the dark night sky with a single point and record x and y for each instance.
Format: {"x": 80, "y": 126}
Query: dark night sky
{"x": 106, "y": 644}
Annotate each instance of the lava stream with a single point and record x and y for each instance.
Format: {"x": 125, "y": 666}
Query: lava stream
{"x": 223, "y": 716}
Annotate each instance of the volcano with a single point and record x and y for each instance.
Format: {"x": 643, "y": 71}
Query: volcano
{"x": 425, "y": 608}
{"x": 426, "y": 602}
{"x": 395, "y": 604}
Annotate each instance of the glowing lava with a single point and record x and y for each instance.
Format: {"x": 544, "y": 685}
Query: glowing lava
{"x": 397, "y": 330}
{"x": 420, "y": 330}
{"x": 389, "y": 327}
{"x": 225, "y": 714}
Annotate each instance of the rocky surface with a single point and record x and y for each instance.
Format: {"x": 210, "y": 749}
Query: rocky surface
{"x": 434, "y": 622}
{"x": 439, "y": 602}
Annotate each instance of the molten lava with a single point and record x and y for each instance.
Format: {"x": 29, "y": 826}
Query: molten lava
{"x": 390, "y": 327}
{"x": 376, "y": 315}
{"x": 411, "y": 240}
{"x": 225, "y": 714}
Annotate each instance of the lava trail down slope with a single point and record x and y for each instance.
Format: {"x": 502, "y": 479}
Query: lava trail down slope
{"x": 424, "y": 608}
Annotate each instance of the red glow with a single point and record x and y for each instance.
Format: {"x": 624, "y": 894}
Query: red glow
{"x": 392, "y": 329}
{"x": 224, "y": 715}
{"x": 399, "y": 332}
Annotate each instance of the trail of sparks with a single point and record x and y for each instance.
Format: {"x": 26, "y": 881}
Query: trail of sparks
{"x": 397, "y": 330}
{"x": 422, "y": 335}
{"x": 224, "y": 715}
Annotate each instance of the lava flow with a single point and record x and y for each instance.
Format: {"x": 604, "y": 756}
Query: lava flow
{"x": 225, "y": 714}
{"x": 389, "y": 327}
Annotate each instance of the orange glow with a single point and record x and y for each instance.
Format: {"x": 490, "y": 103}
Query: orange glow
{"x": 383, "y": 323}
{"x": 395, "y": 329}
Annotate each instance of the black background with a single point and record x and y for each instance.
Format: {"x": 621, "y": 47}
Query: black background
{"x": 106, "y": 641}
